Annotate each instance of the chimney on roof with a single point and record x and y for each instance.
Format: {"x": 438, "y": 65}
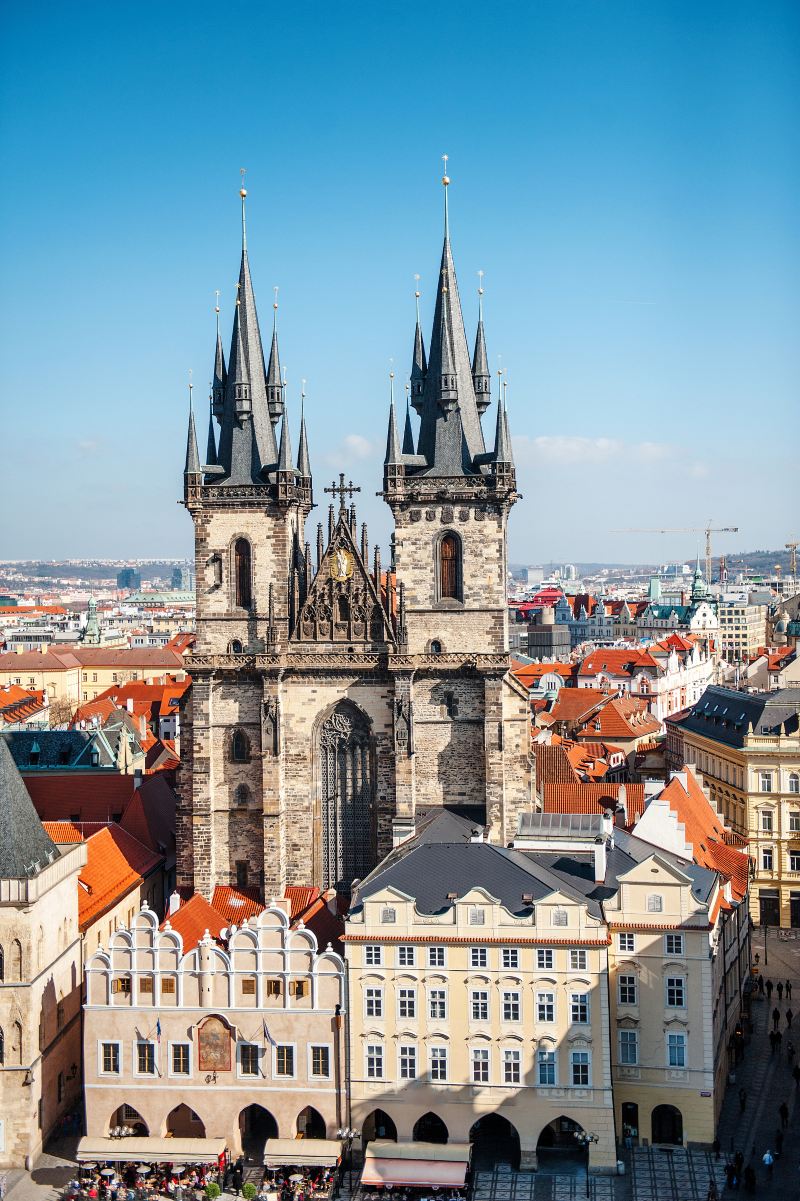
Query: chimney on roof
{"x": 476, "y": 834}
{"x": 174, "y": 903}
{"x": 622, "y": 803}
{"x": 600, "y": 858}
{"x": 608, "y": 826}
{"x": 137, "y": 777}
{"x": 129, "y": 704}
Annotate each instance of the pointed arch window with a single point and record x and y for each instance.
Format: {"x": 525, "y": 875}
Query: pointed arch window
{"x": 243, "y": 573}
{"x": 2, "y": 1046}
{"x": 2, "y": 964}
{"x": 450, "y": 567}
{"x": 240, "y": 747}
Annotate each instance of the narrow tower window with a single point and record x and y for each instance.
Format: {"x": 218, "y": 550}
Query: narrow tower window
{"x": 243, "y": 574}
{"x": 240, "y": 747}
{"x": 449, "y": 567}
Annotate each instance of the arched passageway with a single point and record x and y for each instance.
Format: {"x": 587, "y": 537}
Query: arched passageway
{"x": 183, "y": 1122}
{"x": 256, "y": 1125}
{"x": 558, "y": 1151}
{"x": 494, "y": 1140}
{"x": 430, "y": 1129}
{"x": 667, "y": 1125}
{"x": 126, "y": 1115}
{"x": 378, "y": 1125}
{"x": 310, "y": 1123}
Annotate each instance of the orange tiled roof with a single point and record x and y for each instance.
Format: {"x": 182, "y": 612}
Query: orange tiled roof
{"x": 89, "y": 796}
{"x": 17, "y": 703}
{"x": 12, "y": 610}
{"x": 552, "y": 764}
{"x": 327, "y": 927}
{"x": 69, "y": 832}
{"x": 300, "y": 896}
{"x": 588, "y": 798}
{"x": 116, "y": 864}
{"x": 150, "y": 816}
{"x": 705, "y": 831}
{"x": 192, "y": 920}
{"x": 236, "y": 904}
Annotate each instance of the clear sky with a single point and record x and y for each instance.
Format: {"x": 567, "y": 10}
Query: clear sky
{"x": 626, "y": 173}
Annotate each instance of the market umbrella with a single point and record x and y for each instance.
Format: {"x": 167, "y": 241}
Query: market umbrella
{"x": 296, "y": 1177}
{"x": 108, "y": 1172}
{"x": 89, "y": 1167}
{"x": 143, "y": 1169}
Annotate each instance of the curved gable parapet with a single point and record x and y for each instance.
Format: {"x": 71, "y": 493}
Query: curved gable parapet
{"x": 145, "y": 919}
{"x": 121, "y": 940}
{"x": 272, "y": 918}
{"x": 168, "y": 940}
{"x": 328, "y": 957}
{"x": 243, "y": 938}
{"x": 100, "y": 961}
{"x": 302, "y": 939}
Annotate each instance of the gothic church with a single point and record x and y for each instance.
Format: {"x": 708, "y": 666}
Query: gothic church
{"x": 334, "y": 697}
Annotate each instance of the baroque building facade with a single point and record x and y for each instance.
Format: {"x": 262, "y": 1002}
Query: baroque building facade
{"x": 334, "y": 698}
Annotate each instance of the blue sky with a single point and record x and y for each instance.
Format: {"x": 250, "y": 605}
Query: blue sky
{"x": 626, "y": 174}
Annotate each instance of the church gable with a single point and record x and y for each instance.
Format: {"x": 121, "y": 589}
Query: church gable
{"x": 343, "y": 603}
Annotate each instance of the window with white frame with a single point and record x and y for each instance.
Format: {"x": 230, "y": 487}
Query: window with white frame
{"x": 546, "y": 1067}
{"x": 794, "y": 783}
{"x": 478, "y": 957}
{"x": 145, "y": 1058}
{"x": 511, "y": 1006}
{"x": 766, "y": 821}
{"x": 794, "y": 861}
{"x": 479, "y": 1001}
{"x": 673, "y": 944}
{"x": 676, "y": 1050}
{"x": 373, "y": 954}
{"x": 407, "y": 1003}
{"x": 321, "y": 1062}
{"x": 560, "y": 917}
{"x": 676, "y": 992}
{"x": 408, "y": 1061}
{"x": 580, "y": 1068}
{"x": 765, "y": 781}
{"x": 373, "y": 1002}
{"x": 794, "y": 821}
{"x": 655, "y": 902}
{"x": 438, "y": 1063}
{"x": 180, "y": 1059}
{"x": 545, "y": 1007}
{"x": 579, "y": 1007}
{"x": 510, "y": 958}
{"x": 512, "y": 1064}
{"x": 477, "y": 916}
{"x": 766, "y": 859}
{"x": 544, "y": 959}
{"x": 627, "y": 989}
{"x": 629, "y": 1047}
{"x": 374, "y": 1057}
{"x": 249, "y": 1056}
{"x": 437, "y": 1004}
{"x": 436, "y": 957}
{"x": 405, "y": 956}
{"x": 110, "y": 1059}
{"x": 480, "y": 1065}
{"x": 626, "y": 941}
{"x": 577, "y": 961}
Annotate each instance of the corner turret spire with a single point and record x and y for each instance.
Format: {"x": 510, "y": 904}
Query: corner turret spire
{"x": 220, "y": 374}
{"x": 274, "y": 384}
{"x": 481, "y": 380}
{"x": 419, "y": 365}
{"x": 393, "y": 453}
{"x": 408, "y": 432}
{"x": 503, "y": 452}
{"x": 211, "y": 445}
{"x": 192, "y": 466}
{"x": 303, "y": 461}
{"x": 285, "y": 451}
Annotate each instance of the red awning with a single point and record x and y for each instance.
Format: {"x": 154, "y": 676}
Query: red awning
{"x": 414, "y": 1172}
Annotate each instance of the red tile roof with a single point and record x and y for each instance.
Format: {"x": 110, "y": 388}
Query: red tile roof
{"x": 588, "y": 798}
{"x": 142, "y": 658}
{"x": 90, "y": 796}
{"x": 705, "y": 831}
{"x": 192, "y": 920}
{"x": 116, "y": 865}
{"x": 235, "y": 905}
{"x": 18, "y": 704}
{"x": 150, "y": 816}
{"x": 326, "y": 926}
{"x": 36, "y": 661}
{"x": 300, "y": 896}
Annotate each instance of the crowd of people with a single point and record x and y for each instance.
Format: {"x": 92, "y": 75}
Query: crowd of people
{"x": 141, "y": 1182}
{"x": 296, "y": 1184}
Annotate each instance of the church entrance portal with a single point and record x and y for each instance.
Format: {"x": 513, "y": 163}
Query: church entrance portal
{"x": 348, "y": 802}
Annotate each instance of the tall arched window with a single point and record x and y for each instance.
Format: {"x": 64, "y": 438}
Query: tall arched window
{"x": 16, "y": 960}
{"x": 242, "y": 795}
{"x": 2, "y": 964}
{"x": 450, "y": 567}
{"x": 16, "y": 1043}
{"x": 243, "y": 573}
{"x": 2, "y": 1046}
{"x": 240, "y": 747}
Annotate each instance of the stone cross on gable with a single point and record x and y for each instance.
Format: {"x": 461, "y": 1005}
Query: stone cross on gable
{"x": 342, "y": 490}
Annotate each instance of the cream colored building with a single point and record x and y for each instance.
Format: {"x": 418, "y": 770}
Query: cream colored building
{"x": 478, "y": 1001}
{"x": 742, "y": 629}
{"x": 58, "y": 673}
{"x": 40, "y": 975}
{"x": 240, "y": 1039}
{"x": 747, "y": 745}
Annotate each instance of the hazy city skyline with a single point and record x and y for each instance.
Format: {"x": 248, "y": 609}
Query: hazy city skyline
{"x": 628, "y": 190}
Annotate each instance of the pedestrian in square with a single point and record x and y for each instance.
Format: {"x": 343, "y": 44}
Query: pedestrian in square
{"x": 761, "y": 985}
{"x": 776, "y": 1018}
{"x": 742, "y": 1099}
{"x": 769, "y": 990}
{"x": 783, "y": 1110}
{"x": 768, "y": 1161}
{"x": 789, "y": 1016}
{"x": 772, "y": 1043}
{"x": 780, "y": 990}
{"x": 788, "y": 990}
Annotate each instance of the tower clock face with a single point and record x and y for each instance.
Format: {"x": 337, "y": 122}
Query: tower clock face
{"x": 341, "y": 565}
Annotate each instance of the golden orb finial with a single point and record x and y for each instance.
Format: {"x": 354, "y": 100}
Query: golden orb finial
{"x": 243, "y": 189}
{"x": 445, "y": 177}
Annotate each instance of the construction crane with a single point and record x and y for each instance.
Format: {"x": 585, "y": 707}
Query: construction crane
{"x": 792, "y": 549}
{"x": 708, "y": 530}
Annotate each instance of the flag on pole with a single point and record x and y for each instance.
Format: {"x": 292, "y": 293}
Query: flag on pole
{"x": 158, "y": 1030}
{"x": 268, "y": 1036}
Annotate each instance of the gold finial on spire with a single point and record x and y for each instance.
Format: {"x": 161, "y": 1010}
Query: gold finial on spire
{"x": 445, "y": 177}
{"x": 416, "y": 295}
{"x": 275, "y": 309}
{"x": 243, "y": 194}
{"x": 275, "y": 301}
{"x": 445, "y": 185}
{"x": 480, "y": 296}
{"x": 191, "y": 385}
{"x": 216, "y": 308}
{"x": 243, "y": 189}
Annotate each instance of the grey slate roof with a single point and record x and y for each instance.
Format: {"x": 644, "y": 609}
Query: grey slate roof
{"x": 303, "y": 460}
{"x": 211, "y": 444}
{"x": 408, "y": 433}
{"x": 61, "y": 749}
{"x": 440, "y": 859}
{"x": 192, "y": 465}
{"x": 726, "y": 715}
{"x": 25, "y": 848}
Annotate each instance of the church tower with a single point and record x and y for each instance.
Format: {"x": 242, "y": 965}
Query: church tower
{"x": 337, "y": 695}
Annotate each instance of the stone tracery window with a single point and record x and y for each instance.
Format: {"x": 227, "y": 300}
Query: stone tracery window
{"x": 346, "y": 773}
{"x": 240, "y": 747}
{"x": 243, "y": 573}
{"x": 450, "y": 567}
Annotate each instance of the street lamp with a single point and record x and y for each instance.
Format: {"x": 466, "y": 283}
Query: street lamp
{"x": 585, "y": 1139}
{"x": 347, "y": 1135}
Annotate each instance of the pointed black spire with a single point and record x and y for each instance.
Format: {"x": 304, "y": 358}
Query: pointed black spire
{"x": 503, "y": 452}
{"x": 192, "y": 466}
{"x": 419, "y": 365}
{"x": 274, "y": 382}
{"x": 448, "y": 380}
{"x": 220, "y": 374}
{"x": 393, "y": 452}
{"x": 303, "y": 461}
{"x": 408, "y": 432}
{"x": 211, "y": 445}
{"x": 285, "y": 451}
{"x": 481, "y": 380}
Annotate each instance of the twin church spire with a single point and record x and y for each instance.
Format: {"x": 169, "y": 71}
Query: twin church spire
{"x": 247, "y": 399}
{"x": 449, "y": 392}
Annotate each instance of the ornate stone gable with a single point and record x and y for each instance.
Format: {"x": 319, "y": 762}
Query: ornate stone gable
{"x": 343, "y": 602}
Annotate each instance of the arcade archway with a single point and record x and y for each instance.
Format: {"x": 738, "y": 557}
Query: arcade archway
{"x": 667, "y": 1125}
{"x": 494, "y": 1140}
{"x": 256, "y": 1125}
{"x": 558, "y": 1151}
{"x": 378, "y": 1125}
{"x": 183, "y": 1122}
{"x": 430, "y": 1129}
{"x": 310, "y": 1123}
